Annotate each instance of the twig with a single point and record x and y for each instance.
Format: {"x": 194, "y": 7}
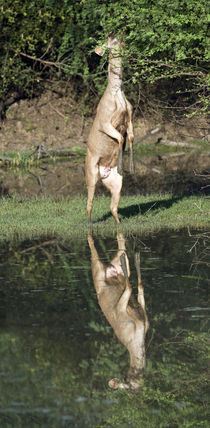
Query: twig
{"x": 39, "y": 181}
{"x": 58, "y": 112}
{"x": 48, "y": 255}
{"x": 34, "y": 247}
{"x": 153, "y": 205}
{"x": 148, "y": 134}
{"x": 204, "y": 176}
{"x": 40, "y": 148}
{"x": 149, "y": 167}
{"x": 186, "y": 382}
{"x": 5, "y": 159}
{"x": 194, "y": 245}
{"x": 203, "y": 212}
{"x": 198, "y": 175}
{"x": 42, "y": 61}
{"x": 150, "y": 341}
{"x": 63, "y": 152}
{"x": 173, "y": 155}
{"x": 174, "y": 66}
{"x": 48, "y": 48}
{"x": 177, "y": 144}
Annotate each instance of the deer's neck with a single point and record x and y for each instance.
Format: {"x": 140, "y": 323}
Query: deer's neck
{"x": 115, "y": 72}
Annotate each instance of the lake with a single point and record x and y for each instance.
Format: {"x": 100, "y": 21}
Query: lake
{"x": 59, "y": 352}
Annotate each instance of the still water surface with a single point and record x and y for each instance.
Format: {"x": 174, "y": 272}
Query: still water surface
{"x": 59, "y": 350}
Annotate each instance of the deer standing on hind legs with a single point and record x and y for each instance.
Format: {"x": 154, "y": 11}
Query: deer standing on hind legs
{"x": 108, "y": 133}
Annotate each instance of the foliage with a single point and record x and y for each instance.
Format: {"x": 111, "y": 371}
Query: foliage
{"x": 166, "y": 47}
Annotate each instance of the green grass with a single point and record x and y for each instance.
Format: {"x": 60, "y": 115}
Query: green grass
{"x": 24, "y": 159}
{"x": 45, "y": 217}
{"x": 159, "y": 149}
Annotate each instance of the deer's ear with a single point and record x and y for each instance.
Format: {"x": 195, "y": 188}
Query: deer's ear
{"x": 99, "y": 51}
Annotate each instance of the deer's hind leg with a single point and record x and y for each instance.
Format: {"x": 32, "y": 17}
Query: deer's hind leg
{"x": 114, "y": 183}
{"x": 141, "y": 300}
{"x": 92, "y": 176}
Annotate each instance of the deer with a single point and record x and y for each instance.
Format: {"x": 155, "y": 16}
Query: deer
{"x": 107, "y": 137}
{"x": 125, "y": 313}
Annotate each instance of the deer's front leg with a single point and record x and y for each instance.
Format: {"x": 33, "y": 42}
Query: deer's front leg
{"x": 130, "y": 136}
{"x": 124, "y": 299}
{"x": 112, "y": 132}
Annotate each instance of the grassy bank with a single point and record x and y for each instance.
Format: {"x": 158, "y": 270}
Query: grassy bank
{"x": 44, "y": 217}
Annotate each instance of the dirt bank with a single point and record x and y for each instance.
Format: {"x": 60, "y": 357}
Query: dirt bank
{"x": 57, "y": 121}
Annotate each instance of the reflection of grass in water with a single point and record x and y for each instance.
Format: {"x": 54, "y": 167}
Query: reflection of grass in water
{"x": 56, "y": 376}
{"x": 175, "y": 386}
{"x": 23, "y": 219}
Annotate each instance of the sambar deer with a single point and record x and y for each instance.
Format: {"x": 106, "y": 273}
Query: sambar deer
{"x": 111, "y": 126}
{"x": 125, "y": 313}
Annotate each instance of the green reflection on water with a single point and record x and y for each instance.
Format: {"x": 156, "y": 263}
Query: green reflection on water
{"x": 58, "y": 352}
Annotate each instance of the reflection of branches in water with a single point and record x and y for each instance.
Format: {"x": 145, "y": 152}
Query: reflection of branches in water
{"x": 50, "y": 255}
{"x": 34, "y": 247}
{"x": 184, "y": 383}
{"x": 38, "y": 179}
{"x": 204, "y": 177}
{"x": 41, "y": 246}
{"x": 201, "y": 257}
{"x": 40, "y": 151}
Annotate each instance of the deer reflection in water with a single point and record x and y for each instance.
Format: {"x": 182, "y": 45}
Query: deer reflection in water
{"x": 124, "y": 312}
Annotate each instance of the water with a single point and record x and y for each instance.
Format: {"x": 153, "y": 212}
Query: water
{"x": 67, "y": 178}
{"x": 58, "y": 351}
